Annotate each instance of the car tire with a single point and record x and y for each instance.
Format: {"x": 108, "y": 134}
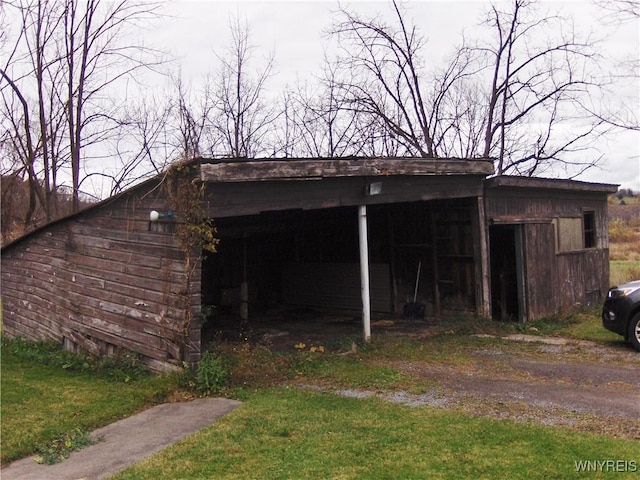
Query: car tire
{"x": 634, "y": 331}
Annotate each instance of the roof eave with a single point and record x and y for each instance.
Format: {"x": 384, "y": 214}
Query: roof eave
{"x": 312, "y": 169}
{"x": 550, "y": 183}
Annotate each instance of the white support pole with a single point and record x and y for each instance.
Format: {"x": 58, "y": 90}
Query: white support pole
{"x": 364, "y": 272}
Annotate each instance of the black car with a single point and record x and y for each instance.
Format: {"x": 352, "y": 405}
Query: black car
{"x": 621, "y": 312}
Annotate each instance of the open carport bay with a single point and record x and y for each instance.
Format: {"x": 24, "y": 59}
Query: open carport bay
{"x": 303, "y": 265}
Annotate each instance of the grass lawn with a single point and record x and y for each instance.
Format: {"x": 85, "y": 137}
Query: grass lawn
{"x": 587, "y": 326}
{"x": 623, "y": 271}
{"x": 41, "y": 401}
{"x": 282, "y": 434}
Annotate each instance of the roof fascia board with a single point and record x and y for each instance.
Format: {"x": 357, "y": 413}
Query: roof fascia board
{"x": 549, "y": 183}
{"x": 313, "y": 169}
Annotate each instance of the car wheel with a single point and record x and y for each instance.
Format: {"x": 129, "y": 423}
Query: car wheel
{"x": 634, "y": 331}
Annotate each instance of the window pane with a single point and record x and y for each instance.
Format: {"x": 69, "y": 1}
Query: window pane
{"x": 589, "y": 229}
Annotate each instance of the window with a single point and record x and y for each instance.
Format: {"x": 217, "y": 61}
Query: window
{"x": 575, "y": 233}
{"x": 589, "y": 223}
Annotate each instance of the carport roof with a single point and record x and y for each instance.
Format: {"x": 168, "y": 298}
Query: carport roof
{"x": 230, "y": 170}
{"x": 252, "y": 170}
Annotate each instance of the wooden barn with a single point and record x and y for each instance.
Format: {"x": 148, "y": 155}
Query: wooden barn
{"x": 363, "y": 235}
{"x": 548, "y": 245}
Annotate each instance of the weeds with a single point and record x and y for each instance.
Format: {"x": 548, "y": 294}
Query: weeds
{"x": 624, "y": 249}
{"x": 62, "y": 445}
{"x": 624, "y": 271}
{"x": 123, "y": 366}
{"x": 211, "y": 375}
{"x": 621, "y": 231}
{"x": 255, "y": 365}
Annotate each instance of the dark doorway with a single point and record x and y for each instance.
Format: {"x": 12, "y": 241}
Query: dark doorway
{"x": 506, "y": 272}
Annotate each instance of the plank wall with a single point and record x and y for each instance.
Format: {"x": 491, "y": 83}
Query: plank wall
{"x": 102, "y": 280}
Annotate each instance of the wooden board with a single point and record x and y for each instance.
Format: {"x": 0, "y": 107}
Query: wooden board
{"x": 308, "y": 169}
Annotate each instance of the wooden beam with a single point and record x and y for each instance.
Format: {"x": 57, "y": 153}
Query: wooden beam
{"x": 482, "y": 268}
{"x": 518, "y": 219}
{"x": 309, "y": 169}
{"x": 230, "y": 199}
{"x": 437, "y": 307}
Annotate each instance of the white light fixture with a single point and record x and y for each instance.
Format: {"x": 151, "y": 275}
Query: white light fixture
{"x": 155, "y": 216}
{"x": 374, "y": 188}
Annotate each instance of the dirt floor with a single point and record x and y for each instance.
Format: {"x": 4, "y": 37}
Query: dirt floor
{"x": 283, "y": 328}
{"x": 582, "y": 385}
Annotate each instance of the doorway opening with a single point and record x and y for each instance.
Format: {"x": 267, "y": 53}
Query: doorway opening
{"x": 507, "y": 273}
{"x": 302, "y": 268}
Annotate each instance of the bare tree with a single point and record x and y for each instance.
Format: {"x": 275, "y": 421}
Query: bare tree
{"x": 618, "y": 106}
{"x": 286, "y": 135}
{"x": 61, "y": 86}
{"x": 458, "y": 110}
{"x": 192, "y": 129}
{"x": 242, "y": 116}
{"x": 620, "y": 10}
{"x": 517, "y": 97}
{"x": 418, "y": 110}
{"x": 95, "y": 59}
{"x": 26, "y": 102}
{"x": 319, "y": 123}
{"x": 138, "y": 150}
{"x": 383, "y": 77}
{"x": 541, "y": 74}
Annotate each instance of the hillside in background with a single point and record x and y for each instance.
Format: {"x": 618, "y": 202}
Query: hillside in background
{"x": 14, "y": 203}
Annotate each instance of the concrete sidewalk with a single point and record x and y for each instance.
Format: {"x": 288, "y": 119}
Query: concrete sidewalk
{"x": 126, "y": 442}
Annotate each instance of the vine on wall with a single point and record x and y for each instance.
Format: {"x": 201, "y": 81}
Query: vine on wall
{"x": 196, "y": 235}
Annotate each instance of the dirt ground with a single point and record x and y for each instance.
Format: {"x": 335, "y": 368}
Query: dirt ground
{"x": 582, "y": 385}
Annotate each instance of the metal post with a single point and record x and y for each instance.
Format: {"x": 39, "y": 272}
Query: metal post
{"x": 364, "y": 272}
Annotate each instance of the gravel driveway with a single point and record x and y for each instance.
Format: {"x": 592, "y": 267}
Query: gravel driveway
{"x": 576, "y": 384}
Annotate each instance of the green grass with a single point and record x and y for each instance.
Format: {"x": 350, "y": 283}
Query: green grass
{"x": 622, "y": 271}
{"x": 41, "y": 402}
{"x": 587, "y": 325}
{"x": 283, "y": 434}
{"x": 350, "y": 371}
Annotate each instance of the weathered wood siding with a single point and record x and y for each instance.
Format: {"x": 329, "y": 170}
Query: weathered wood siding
{"x": 234, "y": 170}
{"x": 540, "y": 270}
{"x": 101, "y": 280}
{"x": 105, "y": 279}
{"x": 583, "y": 278}
{"x": 554, "y": 280}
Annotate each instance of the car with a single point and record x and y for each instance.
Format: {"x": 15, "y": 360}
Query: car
{"x": 621, "y": 312}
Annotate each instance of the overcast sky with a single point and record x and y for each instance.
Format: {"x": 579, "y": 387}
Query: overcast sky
{"x": 195, "y": 30}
